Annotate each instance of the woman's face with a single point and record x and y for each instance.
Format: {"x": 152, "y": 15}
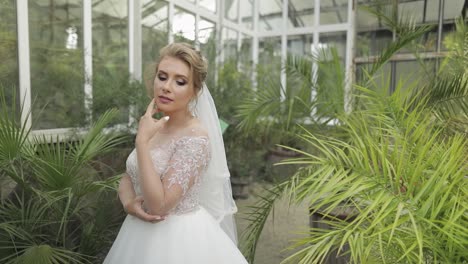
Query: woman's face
{"x": 173, "y": 85}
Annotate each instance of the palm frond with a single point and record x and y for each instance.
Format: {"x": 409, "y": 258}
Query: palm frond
{"x": 457, "y": 44}
{"x": 51, "y": 215}
{"x": 406, "y": 32}
{"x": 257, "y": 216}
{"x": 46, "y": 254}
{"x": 395, "y": 175}
{"x": 59, "y": 166}
{"x": 95, "y": 141}
{"x": 13, "y": 139}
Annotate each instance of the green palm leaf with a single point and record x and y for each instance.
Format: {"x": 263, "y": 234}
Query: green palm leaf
{"x": 51, "y": 216}
{"x": 13, "y": 140}
{"x": 45, "y": 254}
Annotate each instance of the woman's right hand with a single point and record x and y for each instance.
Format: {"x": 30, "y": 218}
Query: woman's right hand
{"x": 135, "y": 208}
{"x": 148, "y": 125}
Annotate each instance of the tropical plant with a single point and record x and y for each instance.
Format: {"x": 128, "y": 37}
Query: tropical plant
{"x": 272, "y": 114}
{"x": 448, "y": 94}
{"x": 112, "y": 88}
{"x": 243, "y": 153}
{"x": 273, "y": 111}
{"x": 61, "y": 208}
{"x": 399, "y": 163}
{"x": 232, "y": 88}
{"x": 404, "y": 178}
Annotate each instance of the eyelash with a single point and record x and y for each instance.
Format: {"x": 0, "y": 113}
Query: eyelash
{"x": 180, "y": 83}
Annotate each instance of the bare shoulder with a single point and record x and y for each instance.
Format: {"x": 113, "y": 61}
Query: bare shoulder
{"x": 197, "y": 129}
{"x": 194, "y": 134}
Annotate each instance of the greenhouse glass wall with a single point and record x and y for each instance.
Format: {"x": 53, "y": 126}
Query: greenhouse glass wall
{"x": 66, "y": 61}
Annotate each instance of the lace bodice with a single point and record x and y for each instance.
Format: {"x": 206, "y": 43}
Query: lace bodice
{"x": 187, "y": 158}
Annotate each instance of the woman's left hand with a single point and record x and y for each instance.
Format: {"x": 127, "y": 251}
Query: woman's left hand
{"x": 148, "y": 125}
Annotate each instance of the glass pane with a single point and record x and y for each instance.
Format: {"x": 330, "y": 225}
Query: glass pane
{"x": 366, "y": 20}
{"x": 380, "y": 80}
{"x": 154, "y": 16}
{"x": 183, "y": 26}
{"x": 110, "y": 59}
{"x": 432, "y": 11}
{"x": 206, "y": 31}
{"x": 447, "y": 31}
{"x": 372, "y": 42}
{"x": 245, "y": 54}
{"x": 330, "y": 53}
{"x": 453, "y": 9}
{"x": 230, "y": 10}
{"x": 411, "y": 9}
{"x": 371, "y": 35}
{"x": 207, "y": 35}
{"x": 269, "y": 60}
{"x": 414, "y": 74}
{"x": 56, "y": 50}
{"x": 300, "y": 44}
{"x": 154, "y": 33}
{"x": 336, "y": 40}
{"x": 208, "y": 4}
{"x": 229, "y": 40}
{"x": 414, "y": 11}
{"x": 428, "y": 42}
{"x": 246, "y": 13}
{"x": 333, "y": 11}
{"x": 9, "y": 54}
{"x": 270, "y": 15}
{"x": 300, "y": 13}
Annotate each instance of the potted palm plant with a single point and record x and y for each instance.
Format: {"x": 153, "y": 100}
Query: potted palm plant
{"x": 400, "y": 162}
{"x": 275, "y": 114}
{"x": 59, "y": 210}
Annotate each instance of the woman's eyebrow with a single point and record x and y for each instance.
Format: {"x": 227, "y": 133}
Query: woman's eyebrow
{"x": 177, "y": 75}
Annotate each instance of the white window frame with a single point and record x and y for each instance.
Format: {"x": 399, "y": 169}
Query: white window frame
{"x": 135, "y": 49}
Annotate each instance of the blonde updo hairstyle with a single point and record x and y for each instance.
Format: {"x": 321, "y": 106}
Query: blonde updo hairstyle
{"x": 193, "y": 58}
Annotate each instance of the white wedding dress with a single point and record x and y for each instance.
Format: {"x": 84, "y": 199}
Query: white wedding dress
{"x": 189, "y": 234}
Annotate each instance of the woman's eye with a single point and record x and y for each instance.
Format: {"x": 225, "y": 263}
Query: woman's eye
{"x": 162, "y": 78}
{"x": 181, "y": 83}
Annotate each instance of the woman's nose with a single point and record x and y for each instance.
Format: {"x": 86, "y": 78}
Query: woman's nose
{"x": 165, "y": 87}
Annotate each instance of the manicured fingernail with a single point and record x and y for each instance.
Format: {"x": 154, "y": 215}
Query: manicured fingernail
{"x": 166, "y": 118}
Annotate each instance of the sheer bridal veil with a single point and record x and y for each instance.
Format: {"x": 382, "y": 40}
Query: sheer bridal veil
{"x": 216, "y": 193}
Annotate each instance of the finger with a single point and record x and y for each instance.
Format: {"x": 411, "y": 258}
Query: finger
{"x": 150, "y": 108}
{"x": 164, "y": 118}
{"x": 150, "y": 218}
{"x": 155, "y": 109}
{"x": 161, "y": 218}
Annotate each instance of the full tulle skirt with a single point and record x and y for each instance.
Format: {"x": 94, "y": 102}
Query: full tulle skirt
{"x": 191, "y": 238}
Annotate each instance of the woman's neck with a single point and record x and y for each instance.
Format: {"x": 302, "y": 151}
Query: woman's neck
{"x": 177, "y": 120}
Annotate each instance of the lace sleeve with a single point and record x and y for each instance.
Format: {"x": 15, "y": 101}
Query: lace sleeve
{"x": 190, "y": 158}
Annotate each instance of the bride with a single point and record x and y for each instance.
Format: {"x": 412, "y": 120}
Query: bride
{"x": 177, "y": 190}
